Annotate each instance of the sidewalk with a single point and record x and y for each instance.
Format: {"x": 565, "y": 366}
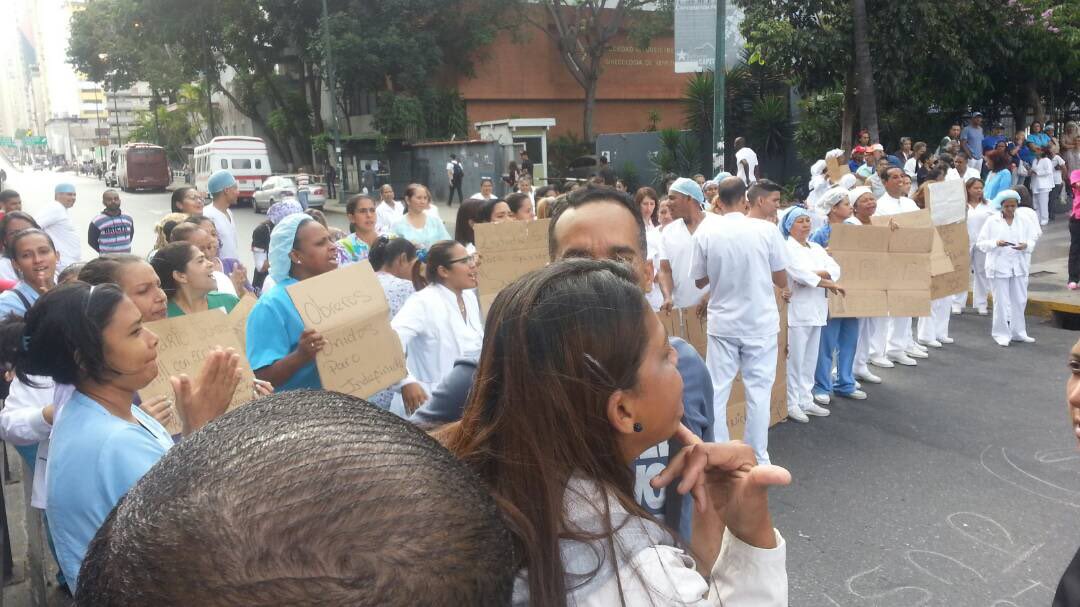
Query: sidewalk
{"x": 1049, "y": 272}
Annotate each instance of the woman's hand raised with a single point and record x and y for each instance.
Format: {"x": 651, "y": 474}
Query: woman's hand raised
{"x": 199, "y": 401}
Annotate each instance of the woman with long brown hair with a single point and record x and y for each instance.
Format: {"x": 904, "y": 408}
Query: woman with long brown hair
{"x": 569, "y": 391}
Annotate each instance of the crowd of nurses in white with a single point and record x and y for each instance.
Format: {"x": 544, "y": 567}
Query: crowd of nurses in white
{"x": 729, "y": 256}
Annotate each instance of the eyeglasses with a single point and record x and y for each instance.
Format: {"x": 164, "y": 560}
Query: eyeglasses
{"x": 468, "y": 259}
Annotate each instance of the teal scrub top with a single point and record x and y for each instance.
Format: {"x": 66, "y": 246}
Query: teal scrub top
{"x": 273, "y": 332}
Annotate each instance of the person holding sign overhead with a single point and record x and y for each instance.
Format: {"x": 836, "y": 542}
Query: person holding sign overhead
{"x": 279, "y": 348}
{"x": 422, "y": 228}
{"x": 187, "y": 277}
{"x": 1008, "y": 242}
{"x": 441, "y": 322}
{"x": 92, "y": 337}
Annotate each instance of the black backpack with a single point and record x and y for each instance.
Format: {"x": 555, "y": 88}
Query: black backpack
{"x": 459, "y": 173}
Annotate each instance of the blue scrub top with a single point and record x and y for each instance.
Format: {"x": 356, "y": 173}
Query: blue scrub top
{"x": 273, "y": 332}
{"x": 94, "y": 459}
{"x": 996, "y": 182}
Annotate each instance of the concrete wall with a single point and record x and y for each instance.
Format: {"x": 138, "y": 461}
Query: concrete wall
{"x": 426, "y": 164}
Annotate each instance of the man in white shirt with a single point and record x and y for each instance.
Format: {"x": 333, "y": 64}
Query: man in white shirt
{"x": 676, "y": 245}
{"x": 224, "y": 191}
{"x": 740, "y": 259}
{"x": 746, "y": 162}
{"x": 388, "y": 211}
{"x": 487, "y": 190}
{"x": 56, "y": 222}
{"x": 962, "y": 168}
{"x": 894, "y": 341}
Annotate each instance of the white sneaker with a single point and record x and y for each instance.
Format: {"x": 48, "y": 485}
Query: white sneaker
{"x": 947, "y": 340}
{"x": 983, "y": 311}
{"x": 957, "y": 310}
{"x": 858, "y": 386}
{"x": 881, "y": 361}
{"x": 919, "y": 346}
{"x": 1002, "y": 341}
{"x": 822, "y": 399}
{"x": 868, "y": 377}
{"x": 1027, "y": 339}
{"x": 797, "y": 414}
{"x": 856, "y": 395}
{"x": 933, "y": 343}
{"x": 903, "y": 359}
{"x": 916, "y": 353}
{"x": 815, "y": 409}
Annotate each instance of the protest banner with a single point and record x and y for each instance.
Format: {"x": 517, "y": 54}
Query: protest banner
{"x": 954, "y": 238}
{"x": 183, "y": 344}
{"x": 836, "y": 168}
{"x": 238, "y": 317}
{"x": 947, "y": 201}
{"x": 877, "y": 260}
{"x": 348, "y": 308}
{"x": 508, "y": 251}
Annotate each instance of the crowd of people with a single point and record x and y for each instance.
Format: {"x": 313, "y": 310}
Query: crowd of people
{"x": 570, "y": 451}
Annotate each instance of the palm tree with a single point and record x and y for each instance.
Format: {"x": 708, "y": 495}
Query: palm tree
{"x": 864, "y": 69}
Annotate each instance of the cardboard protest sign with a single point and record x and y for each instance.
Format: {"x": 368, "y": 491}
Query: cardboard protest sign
{"x": 954, "y": 239}
{"x": 347, "y": 307}
{"x": 836, "y": 168}
{"x": 508, "y": 251}
{"x": 183, "y": 344}
{"x": 877, "y": 260}
{"x": 238, "y": 317}
{"x": 947, "y": 201}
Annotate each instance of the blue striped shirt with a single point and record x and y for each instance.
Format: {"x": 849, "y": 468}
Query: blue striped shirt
{"x": 111, "y": 233}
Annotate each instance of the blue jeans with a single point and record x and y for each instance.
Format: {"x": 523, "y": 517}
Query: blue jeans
{"x": 839, "y": 336}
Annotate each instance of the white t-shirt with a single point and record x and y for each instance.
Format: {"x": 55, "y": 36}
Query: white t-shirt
{"x": 55, "y": 221}
{"x": 226, "y": 229}
{"x": 751, "y": 162}
{"x": 1058, "y": 162}
{"x": 887, "y": 205}
{"x": 677, "y": 247}
{"x": 653, "y": 236}
{"x": 739, "y": 255}
{"x": 970, "y": 173}
{"x": 386, "y": 216}
{"x": 479, "y": 196}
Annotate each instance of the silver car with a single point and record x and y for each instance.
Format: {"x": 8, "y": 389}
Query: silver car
{"x": 274, "y": 189}
{"x": 316, "y": 190}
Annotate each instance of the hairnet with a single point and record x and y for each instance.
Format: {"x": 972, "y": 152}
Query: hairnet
{"x": 281, "y": 244}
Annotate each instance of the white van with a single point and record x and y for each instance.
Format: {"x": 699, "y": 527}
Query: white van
{"x": 245, "y": 157}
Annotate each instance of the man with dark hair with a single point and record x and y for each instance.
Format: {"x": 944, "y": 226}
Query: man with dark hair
{"x": 676, "y": 244}
{"x": 9, "y": 201}
{"x": 950, "y": 140}
{"x": 740, "y": 262}
{"x": 526, "y": 164}
{"x": 606, "y": 172}
{"x": 764, "y": 198}
{"x": 455, "y": 175}
{"x": 362, "y": 508}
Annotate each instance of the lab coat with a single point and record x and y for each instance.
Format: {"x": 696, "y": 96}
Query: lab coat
{"x": 809, "y": 305}
{"x": 434, "y": 335}
{"x": 1004, "y": 262}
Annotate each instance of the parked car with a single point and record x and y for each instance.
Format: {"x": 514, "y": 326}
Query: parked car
{"x": 583, "y": 167}
{"x": 316, "y": 189}
{"x": 274, "y": 189}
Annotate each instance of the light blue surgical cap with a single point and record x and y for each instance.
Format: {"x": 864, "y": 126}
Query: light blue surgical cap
{"x": 789, "y": 220}
{"x": 281, "y": 244}
{"x": 1002, "y": 196}
{"x": 64, "y": 188}
{"x": 219, "y": 181}
{"x": 688, "y": 187}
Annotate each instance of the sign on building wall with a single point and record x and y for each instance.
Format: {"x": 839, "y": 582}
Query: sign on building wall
{"x": 695, "y": 35}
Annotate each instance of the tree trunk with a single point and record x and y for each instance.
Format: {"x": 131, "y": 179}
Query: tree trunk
{"x": 1035, "y": 101}
{"x": 847, "y": 120}
{"x": 283, "y": 151}
{"x": 590, "y": 109}
{"x": 864, "y": 69}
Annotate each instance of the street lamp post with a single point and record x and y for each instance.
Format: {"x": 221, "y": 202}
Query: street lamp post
{"x": 719, "y": 86}
{"x": 333, "y": 96}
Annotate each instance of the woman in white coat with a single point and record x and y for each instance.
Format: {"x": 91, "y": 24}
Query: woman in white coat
{"x": 811, "y": 271}
{"x": 978, "y": 211}
{"x": 441, "y": 322}
{"x": 1008, "y": 242}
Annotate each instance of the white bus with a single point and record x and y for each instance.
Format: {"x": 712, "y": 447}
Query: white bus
{"x": 245, "y": 157}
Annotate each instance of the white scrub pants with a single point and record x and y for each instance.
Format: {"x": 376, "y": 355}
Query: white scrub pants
{"x": 878, "y": 329}
{"x": 803, "y": 346}
{"x": 936, "y": 325}
{"x": 1042, "y": 206}
{"x": 862, "y": 350}
{"x": 1010, "y": 301}
{"x": 756, "y": 358}
{"x": 980, "y": 284}
{"x": 899, "y": 336}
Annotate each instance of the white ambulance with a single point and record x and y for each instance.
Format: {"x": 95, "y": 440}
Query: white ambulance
{"x": 245, "y": 157}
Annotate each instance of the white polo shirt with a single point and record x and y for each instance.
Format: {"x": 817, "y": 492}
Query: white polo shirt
{"x": 386, "y": 215}
{"x": 56, "y": 222}
{"x": 676, "y": 247}
{"x": 739, "y": 255}
{"x": 226, "y": 229}
{"x": 887, "y": 205}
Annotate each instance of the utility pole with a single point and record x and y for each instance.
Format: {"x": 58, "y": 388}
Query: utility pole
{"x": 333, "y": 98}
{"x": 116, "y": 116}
{"x": 719, "y": 87}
